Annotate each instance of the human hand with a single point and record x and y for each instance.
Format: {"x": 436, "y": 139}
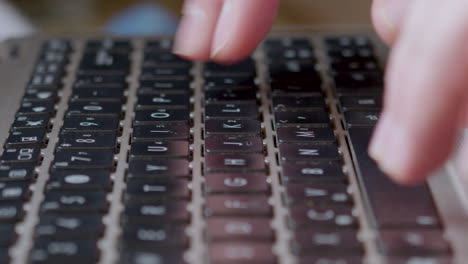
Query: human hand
{"x": 426, "y": 93}
{"x": 426, "y": 100}
{"x": 225, "y": 31}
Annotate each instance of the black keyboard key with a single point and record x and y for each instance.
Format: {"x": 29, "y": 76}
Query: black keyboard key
{"x": 348, "y": 65}
{"x": 296, "y": 88}
{"x": 154, "y": 236}
{"x": 161, "y": 131}
{"x": 161, "y": 115}
{"x": 236, "y": 183}
{"x": 352, "y": 53}
{"x": 11, "y": 211}
{"x": 17, "y": 172}
{"x": 108, "y": 44}
{"x": 361, "y": 118}
{"x": 158, "y": 188}
{"x": 347, "y": 41}
{"x": 300, "y": 72}
{"x": 239, "y": 228}
{"x": 237, "y": 205}
{"x": 8, "y": 236}
{"x": 361, "y": 102}
{"x": 79, "y": 180}
{"x": 413, "y": 242}
{"x": 311, "y": 194}
{"x": 99, "y": 159}
{"x": 14, "y": 191}
{"x": 165, "y": 59}
{"x": 36, "y": 107}
{"x": 286, "y": 103}
{"x": 279, "y": 54}
{"x": 151, "y": 256}
{"x": 26, "y": 137}
{"x": 58, "y": 45}
{"x": 233, "y": 144}
{"x": 159, "y": 168}
{"x": 234, "y": 162}
{"x": 232, "y": 111}
{"x": 358, "y": 79}
{"x": 95, "y": 108}
{"x": 247, "y": 252}
{"x": 391, "y": 205}
{"x": 54, "y": 56}
{"x": 70, "y": 226}
{"x": 304, "y": 135}
{"x": 101, "y": 93}
{"x": 159, "y": 45}
{"x": 151, "y": 212}
{"x": 321, "y": 172}
{"x": 64, "y": 251}
{"x": 287, "y": 42}
{"x": 243, "y": 68}
{"x": 40, "y": 95}
{"x": 158, "y": 73}
{"x": 75, "y": 202}
{"x": 332, "y": 216}
{"x": 21, "y": 154}
{"x": 232, "y": 127}
{"x": 301, "y": 118}
{"x": 308, "y": 153}
{"x": 91, "y": 124}
{"x": 163, "y": 100}
{"x": 233, "y": 82}
{"x": 45, "y": 81}
{"x": 31, "y": 121}
{"x": 164, "y": 86}
{"x": 87, "y": 141}
{"x": 159, "y": 149}
{"x": 230, "y": 95}
{"x": 100, "y": 81}
{"x": 104, "y": 62}
{"x": 327, "y": 243}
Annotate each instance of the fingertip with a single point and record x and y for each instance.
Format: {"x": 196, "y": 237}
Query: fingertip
{"x": 387, "y": 17}
{"x": 195, "y": 33}
{"x": 241, "y": 27}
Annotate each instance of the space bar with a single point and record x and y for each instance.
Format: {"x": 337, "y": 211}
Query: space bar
{"x": 391, "y": 205}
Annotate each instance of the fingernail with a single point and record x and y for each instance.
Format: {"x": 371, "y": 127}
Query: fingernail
{"x": 223, "y": 28}
{"x": 389, "y": 147}
{"x": 193, "y": 27}
{"x": 392, "y": 13}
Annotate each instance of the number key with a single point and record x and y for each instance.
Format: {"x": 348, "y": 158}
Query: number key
{"x": 95, "y": 108}
{"x": 84, "y": 159}
{"x": 90, "y": 124}
{"x": 87, "y": 141}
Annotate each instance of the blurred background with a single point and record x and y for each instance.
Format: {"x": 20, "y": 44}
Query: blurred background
{"x": 70, "y": 16}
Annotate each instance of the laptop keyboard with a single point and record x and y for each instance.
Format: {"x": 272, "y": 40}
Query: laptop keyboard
{"x": 162, "y": 160}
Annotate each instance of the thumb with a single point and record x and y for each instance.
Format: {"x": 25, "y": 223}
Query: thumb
{"x": 388, "y": 16}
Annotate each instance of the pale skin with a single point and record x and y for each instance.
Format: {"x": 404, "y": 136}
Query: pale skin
{"x": 426, "y": 85}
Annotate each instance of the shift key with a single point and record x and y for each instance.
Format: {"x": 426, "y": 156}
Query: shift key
{"x": 391, "y": 205}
